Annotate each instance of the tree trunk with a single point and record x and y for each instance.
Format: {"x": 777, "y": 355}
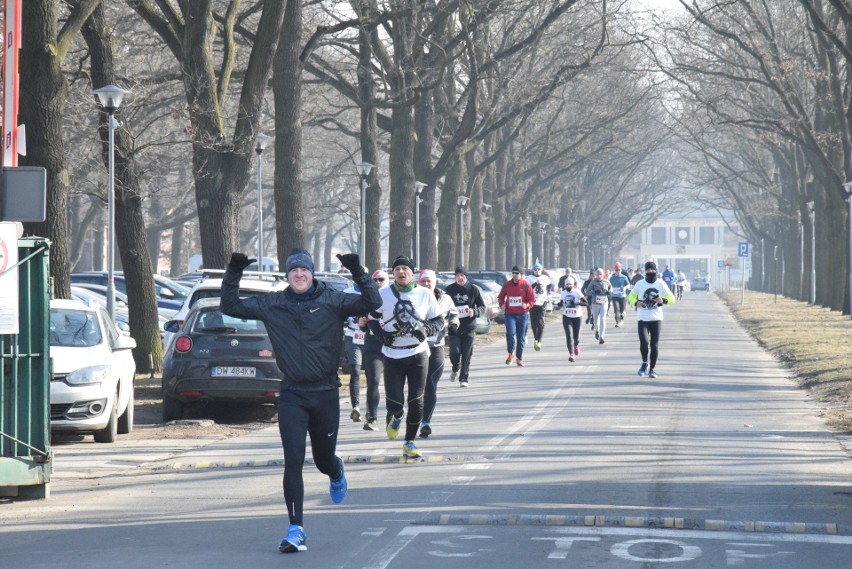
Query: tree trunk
{"x": 369, "y": 154}
{"x": 424, "y": 120}
{"x": 43, "y": 93}
{"x": 401, "y": 161}
{"x": 130, "y": 235}
{"x": 287, "y": 87}
{"x": 448, "y": 215}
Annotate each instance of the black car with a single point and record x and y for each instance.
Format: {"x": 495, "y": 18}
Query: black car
{"x": 215, "y": 358}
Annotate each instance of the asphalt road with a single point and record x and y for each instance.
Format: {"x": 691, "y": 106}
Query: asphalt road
{"x": 720, "y": 462}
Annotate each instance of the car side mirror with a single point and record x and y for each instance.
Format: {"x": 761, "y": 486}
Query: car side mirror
{"x": 124, "y": 343}
{"x": 166, "y": 293}
{"x": 172, "y": 326}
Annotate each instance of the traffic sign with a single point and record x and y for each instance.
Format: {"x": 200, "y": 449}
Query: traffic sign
{"x": 743, "y": 249}
{"x": 720, "y": 264}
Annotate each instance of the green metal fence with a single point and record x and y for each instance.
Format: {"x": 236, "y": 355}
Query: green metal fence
{"x": 25, "y": 456}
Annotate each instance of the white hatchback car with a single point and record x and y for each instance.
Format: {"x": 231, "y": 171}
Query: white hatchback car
{"x": 91, "y": 389}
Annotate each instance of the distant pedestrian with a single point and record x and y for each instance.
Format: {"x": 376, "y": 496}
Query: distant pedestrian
{"x": 572, "y": 316}
{"x": 470, "y": 306}
{"x": 303, "y": 323}
{"x": 373, "y": 359}
{"x": 409, "y": 314}
{"x": 620, "y": 285}
{"x": 447, "y": 309}
{"x": 516, "y": 298}
{"x": 583, "y": 288}
{"x": 541, "y": 287}
{"x": 354, "y": 336}
{"x": 649, "y": 296}
{"x": 568, "y": 273}
{"x": 599, "y": 292}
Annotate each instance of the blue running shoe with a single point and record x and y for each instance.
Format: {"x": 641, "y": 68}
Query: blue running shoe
{"x": 425, "y": 430}
{"x": 410, "y": 451}
{"x": 393, "y": 427}
{"x": 337, "y": 488}
{"x": 652, "y": 374}
{"x": 295, "y": 540}
{"x": 642, "y": 369}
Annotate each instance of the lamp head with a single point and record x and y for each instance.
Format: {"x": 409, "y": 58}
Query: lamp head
{"x": 848, "y": 187}
{"x": 364, "y": 169}
{"x": 110, "y": 97}
{"x": 418, "y": 187}
{"x": 811, "y": 206}
{"x": 462, "y": 201}
{"x": 262, "y": 142}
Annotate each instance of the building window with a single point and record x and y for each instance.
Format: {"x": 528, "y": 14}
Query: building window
{"x": 658, "y": 236}
{"x": 682, "y": 236}
{"x": 706, "y": 235}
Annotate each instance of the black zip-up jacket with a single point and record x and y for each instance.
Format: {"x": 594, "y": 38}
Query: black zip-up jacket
{"x": 304, "y": 329}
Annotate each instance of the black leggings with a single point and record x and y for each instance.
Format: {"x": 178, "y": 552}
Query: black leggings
{"x": 411, "y": 370}
{"x": 649, "y": 337}
{"x": 537, "y": 321}
{"x": 436, "y": 369}
{"x": 618, "y": 302}
{"x": 373, "y": 364}
{"x": 461, "y": 350}
{"x": 572, "y": 332}
{"x": 301, "y": 413}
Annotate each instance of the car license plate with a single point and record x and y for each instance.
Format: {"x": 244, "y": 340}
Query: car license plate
{"x": 234, "y": 371}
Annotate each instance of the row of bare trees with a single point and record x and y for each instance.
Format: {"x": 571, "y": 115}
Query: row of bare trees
{"x": 581, "y": 119}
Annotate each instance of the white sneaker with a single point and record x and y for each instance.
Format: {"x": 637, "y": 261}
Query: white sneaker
{"x": 355, "y": 415}
{"x": 453, "y": 375}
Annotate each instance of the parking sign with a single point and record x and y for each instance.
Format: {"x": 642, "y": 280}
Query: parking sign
{"x": 743, "y": 249}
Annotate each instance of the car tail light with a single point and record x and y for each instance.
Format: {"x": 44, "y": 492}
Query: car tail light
{"x": 271, "y": 394}
{"x": 183, "y": 344}
{"x": 191, "y": 394}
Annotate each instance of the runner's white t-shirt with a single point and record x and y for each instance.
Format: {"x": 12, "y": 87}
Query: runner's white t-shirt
{"x": 396, "y": 315}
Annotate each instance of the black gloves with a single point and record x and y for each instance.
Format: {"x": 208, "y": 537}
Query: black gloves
{"x": 352, "y": 262}
{"x": 451, "y": 330}
{"x": 239, "y": 261}
{"x": 419, "y": 331}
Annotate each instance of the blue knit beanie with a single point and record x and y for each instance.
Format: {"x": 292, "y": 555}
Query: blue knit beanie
{"x": 299, "y": 259}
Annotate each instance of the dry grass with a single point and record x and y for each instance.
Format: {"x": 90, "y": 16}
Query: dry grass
{"x": 813, "y": 342}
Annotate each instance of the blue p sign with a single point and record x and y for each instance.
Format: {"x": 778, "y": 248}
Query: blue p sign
{"x": 743, "y": 247}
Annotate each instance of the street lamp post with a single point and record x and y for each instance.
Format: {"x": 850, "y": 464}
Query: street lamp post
{"x": 483, "y": 257}
{"x": 364, "y": 169}
{"x": 462, "y": 201}
{"x": 801, "y": 256}
{"x": 848, "y": 187}
{"x": 542, "y": 226}
{"x": 811, "y": 209}
{"x": 418, "y": 189}
{"x": 110, "y": 98}
{"x": 262, "y": 141}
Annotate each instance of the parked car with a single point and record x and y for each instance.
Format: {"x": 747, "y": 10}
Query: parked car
{"x": 121, "y": 298}
{"x": 499, "y": 277}
{"x": 210, "y": 286}
{"x": 490, "y": 291}
{"x": 170, "y": 295}
{"x": 698, "y": 283}
{"x": 216, "y": 357}
{"x": 91, "y": 389}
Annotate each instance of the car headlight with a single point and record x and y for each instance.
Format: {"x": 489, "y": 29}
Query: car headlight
{"x": 88, "y": 375}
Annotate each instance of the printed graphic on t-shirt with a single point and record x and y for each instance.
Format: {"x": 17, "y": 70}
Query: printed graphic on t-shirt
{"x": 650, "y": 298}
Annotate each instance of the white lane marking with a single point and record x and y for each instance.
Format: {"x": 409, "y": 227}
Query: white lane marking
{"x": 476, "y": 466}
{"x": 462, "y": 480}
{"x": 541, "y": 414}
{"x": 375, "y": 532}
{"x": 388, "y": 553}
{"x": 688, "y": 552}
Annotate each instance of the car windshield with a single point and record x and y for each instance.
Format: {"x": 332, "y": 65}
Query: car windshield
{"x": 74, "y": 328}
{"x": 216, "y": 293}
{"x": 214, "y": 321}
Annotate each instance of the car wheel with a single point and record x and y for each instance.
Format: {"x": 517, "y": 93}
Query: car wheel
{"x": 108, "y": 433}
{"x": 125, "y": 422}
{"x": 172, "y": 409}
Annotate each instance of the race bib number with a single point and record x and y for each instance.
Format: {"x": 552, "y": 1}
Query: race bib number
{"x": 464, "y": 311}
{"x": 572, "y": 312}
{"x": 358, "y": 338}
{"x": 601, "y": 300}
{"x": 516, "y": 301}
{"x": 617, "y": 290}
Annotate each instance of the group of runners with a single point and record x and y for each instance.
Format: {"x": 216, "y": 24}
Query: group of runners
{"x": 396, "y": 327}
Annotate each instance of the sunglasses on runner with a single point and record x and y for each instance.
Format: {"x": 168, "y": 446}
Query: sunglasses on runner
{"x": 516, "y": 273}
{"x": 379, "y": 280}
